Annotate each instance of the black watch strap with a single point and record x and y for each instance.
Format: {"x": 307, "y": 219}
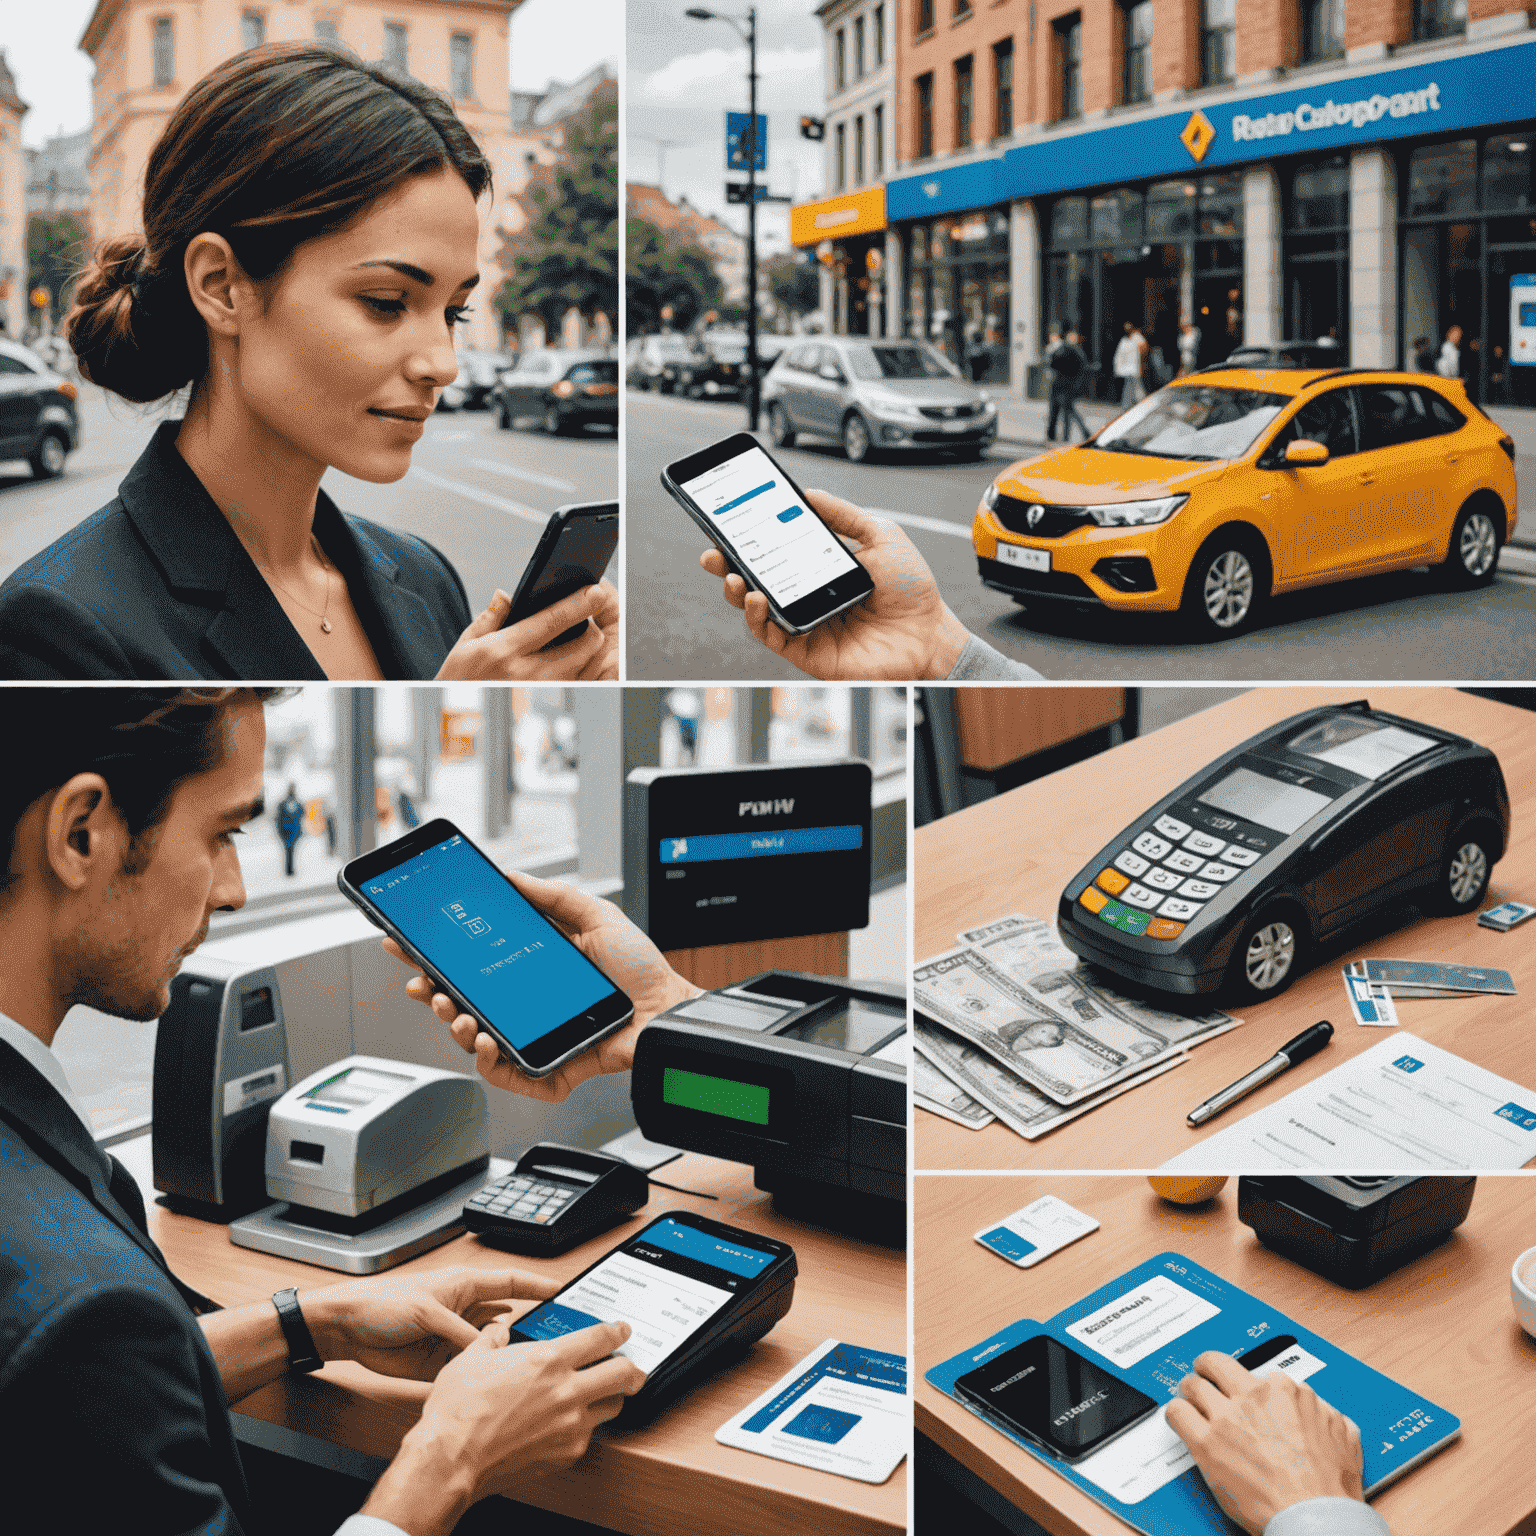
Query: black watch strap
{"x": 302, "y": 1354}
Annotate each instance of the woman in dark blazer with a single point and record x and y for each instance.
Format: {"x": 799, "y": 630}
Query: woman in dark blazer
{"x": 307, "y": 217}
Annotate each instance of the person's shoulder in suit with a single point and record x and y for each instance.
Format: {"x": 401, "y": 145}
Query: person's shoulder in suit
{"x": 424, "y": 568}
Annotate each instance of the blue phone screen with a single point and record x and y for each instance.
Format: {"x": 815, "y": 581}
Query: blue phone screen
{"x": 485, "y": 939}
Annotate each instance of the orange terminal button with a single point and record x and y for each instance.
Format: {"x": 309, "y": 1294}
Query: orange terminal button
{"x": 1112, "y": 881}
{"x": 1094, "y": 900}
{"x": 1161, "y": 928}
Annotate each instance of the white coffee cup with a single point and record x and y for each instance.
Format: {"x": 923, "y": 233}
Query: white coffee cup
{"x": 1522, "y": 1290}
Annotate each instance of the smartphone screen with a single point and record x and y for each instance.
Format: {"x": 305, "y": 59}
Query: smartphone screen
{"x": 1055, "y": 1397}
{"x": 666, "y": 1282}
{"x": 583, "y": 544}
{"x": 772, "y": 531}
{"x": 529, "y": 984}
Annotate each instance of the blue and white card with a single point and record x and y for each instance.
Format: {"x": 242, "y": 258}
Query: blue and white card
{"x": 843, "y": 1409}
{"x": 1036, "y": 1231}
{"x": 1147, "y": 1327}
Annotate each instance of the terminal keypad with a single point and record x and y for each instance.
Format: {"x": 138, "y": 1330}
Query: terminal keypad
{"x": 525, "y": 1197}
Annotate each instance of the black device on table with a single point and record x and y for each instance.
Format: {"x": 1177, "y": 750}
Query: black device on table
{"x": 692, "y": 1290}
{"x": 1287, "y": 840}
{"x": 485, "y": 946}
{"x": 768, "y": 532}
{"x": 574, "y": 550}
{"x": 555, "y": 1198}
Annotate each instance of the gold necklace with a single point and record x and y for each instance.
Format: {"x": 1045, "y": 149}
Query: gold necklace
{"x": 325, "y": 623}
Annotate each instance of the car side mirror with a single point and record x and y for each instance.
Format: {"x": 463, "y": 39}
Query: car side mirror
{"x": 832, "y": 372}
{"x": 1304, "y": 452}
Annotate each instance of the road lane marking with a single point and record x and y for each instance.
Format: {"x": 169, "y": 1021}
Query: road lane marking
{"x": 532, "y": 476}
{"x": 485, "y": 498}
{"x": 927, "y": 524}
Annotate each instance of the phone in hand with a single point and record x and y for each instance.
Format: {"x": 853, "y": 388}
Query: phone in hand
{"x": 484, "y": 945}
{"x": 573, "y": 552}
{"x": 768, "y": 532}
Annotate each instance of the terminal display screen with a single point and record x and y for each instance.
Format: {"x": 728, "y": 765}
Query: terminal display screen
{"x": 715, "y": 1095}
{"x": 1265, "y": 801}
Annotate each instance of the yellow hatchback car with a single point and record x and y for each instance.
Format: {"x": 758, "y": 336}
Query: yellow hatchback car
{"x": 1231, "y": 485}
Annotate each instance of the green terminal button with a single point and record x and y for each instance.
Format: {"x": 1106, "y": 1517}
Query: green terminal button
{"x": 1126, "y": 919}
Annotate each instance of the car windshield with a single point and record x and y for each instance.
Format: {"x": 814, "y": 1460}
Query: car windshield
{"x": 1193, "y": 421}
{"x": 673, "y": 347}
{"x": 906, "y": 361}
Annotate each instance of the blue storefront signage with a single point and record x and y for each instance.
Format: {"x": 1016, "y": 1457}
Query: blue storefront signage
{"x": 1443, "y": 95}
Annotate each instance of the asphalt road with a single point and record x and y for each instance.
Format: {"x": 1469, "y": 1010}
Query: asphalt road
{"x": 479, "y": 494}
{"x": 1397, "y": 626}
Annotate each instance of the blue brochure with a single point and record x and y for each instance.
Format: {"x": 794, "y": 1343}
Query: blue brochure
{"x": 1147, "y": 1327}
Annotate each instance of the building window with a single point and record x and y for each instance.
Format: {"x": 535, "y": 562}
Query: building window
{"x": 965, "y": 79}
{"x": 924, "y": 16}
{"x": 394, "y": 46}
{"x": 325, "y": 30}
{"x": 253, "y": 29}
{"x": 1069, "y": 34}
{"x": 1315, "y": 251}
{"x": 165, "y": 51}
{"x": 842, "y": 58}
{"x": 461, "y": 63}
{"x": 1218, "y": 41}
{"x": 840, "y": 153}
{"x": 858, "y": 151}
{"x": 1002, "y": 73}
{"x": 879, "y": 36}
{"x": 858, "y": 49}
{"x": 879, "y": 146}
{"x": 1138, "y": 50}
{"x": 924, "y": 85}
{"x": 1322, "y": 30}
{"x": 1438, "y": 18}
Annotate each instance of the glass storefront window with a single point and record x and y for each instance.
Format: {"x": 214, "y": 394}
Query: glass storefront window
{"x": 1069, "y": 221}
{"x": 1507, "y": 174}
{"x": 1320, "y": 195}
{"x": 1171, "y": 210}
{"x": 1442, "y": 178}
{"x": 1116, "y": 218}
{"x": 1221, "y": 205}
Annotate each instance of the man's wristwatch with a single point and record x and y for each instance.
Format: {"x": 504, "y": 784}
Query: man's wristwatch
{"x": 302, "y": 1354}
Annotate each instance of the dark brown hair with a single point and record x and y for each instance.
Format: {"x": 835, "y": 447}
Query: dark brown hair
{"x": 278, "y": 145}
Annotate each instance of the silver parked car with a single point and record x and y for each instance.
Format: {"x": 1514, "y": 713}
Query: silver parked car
{"x": 875, "y": 394}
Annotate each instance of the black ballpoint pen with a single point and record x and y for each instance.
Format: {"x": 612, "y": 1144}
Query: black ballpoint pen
{"x": 1307, "y": 1043}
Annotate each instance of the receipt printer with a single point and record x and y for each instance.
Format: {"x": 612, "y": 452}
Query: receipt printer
{"x": 367, "y": 1136}
{"x": 724, "y": 856}
{"x": 1356, "y": 1228}
{"x": 802, "y": 1076}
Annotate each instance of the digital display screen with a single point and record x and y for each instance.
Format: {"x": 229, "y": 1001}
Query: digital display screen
{"x": 487, "y": 941}
{"x": 356, "y": 1088}
{"x": 776, "y": 535}
{"x": 666, "y": 1283}
{"x": 713, "y": 847}
{"x": 1366, "y": 747}
{"x": 856, "y": 1027}
{"x": 1269, "y": 802}
{"x": 715, "y": 1095}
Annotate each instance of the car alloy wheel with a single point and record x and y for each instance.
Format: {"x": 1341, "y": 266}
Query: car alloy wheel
{"x": 856, "y": 439}
{"x": 1270, "y": 956}
{"x": 779, "y": 429}
{"x": 1467, "y": 874}
{"x": 1478, "y": 546}
{"x": 48, "y": 459}
{"x": 552, "y": 423}
{"x": 1228, "y": 589}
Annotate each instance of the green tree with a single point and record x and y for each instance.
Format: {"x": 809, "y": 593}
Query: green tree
{"x": 665, "y": 269}
{"x": 57, "y": 246}
{"x": 567, "y": 254}
{"x": 791, "y": 279}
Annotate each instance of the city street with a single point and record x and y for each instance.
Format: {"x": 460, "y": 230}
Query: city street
{"x": 1397, "y": 626}
{"x": 479, "y": 494}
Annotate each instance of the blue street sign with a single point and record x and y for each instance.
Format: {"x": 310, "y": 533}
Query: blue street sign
{"x": 737, "y": 132}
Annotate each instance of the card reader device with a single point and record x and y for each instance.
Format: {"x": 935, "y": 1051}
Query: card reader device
{"x": 802, "y": 1076}
{"x": 555, "y": 1198}
{"x": 1306, "y": 829}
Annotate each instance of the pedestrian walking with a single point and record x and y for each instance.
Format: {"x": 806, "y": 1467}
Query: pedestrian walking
{"x": 290, "y": 826}
{"x": 1129, "y": 363}
{"x": 1067, "y": 365}
{"x": 1189, "y": 345}
{"x": 1449, "y": 365}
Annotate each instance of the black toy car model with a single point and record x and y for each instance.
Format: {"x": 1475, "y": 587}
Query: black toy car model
{"x": 38, "y": 418}
{"x": 1231, "y": 882}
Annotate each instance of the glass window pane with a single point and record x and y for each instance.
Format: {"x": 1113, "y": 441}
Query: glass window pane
{"x": 1320, "y": 194}
{"x": 1171, "y": 210}
{"x": 1116, "y": 218}
{"x": 1221, "y": 205}
{"x": 1507, "y": 179}
{"x": 1069, "y": 221}
{"x": 810, "y": 724}
{"x": 1442, "y": 178}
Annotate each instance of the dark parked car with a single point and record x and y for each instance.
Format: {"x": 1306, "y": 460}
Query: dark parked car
{"x": 660, "y": 362}
{"x": 718, "y": 368}
{"x": 38, "y": 418}
{"x": 1231, "y": 883}
{"x": 1281, "y": 354}
{"x": 560, "y": 390}
{"x": 478, "y": 373}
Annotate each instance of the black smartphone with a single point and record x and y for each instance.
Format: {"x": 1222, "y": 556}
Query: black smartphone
{"x": 1056, "y": 1398}
{"x": 686, "y": 1285}
{"x": 761, "y": 522}
{"x": 483, "y": 944}
{"x": 573, "y": 552}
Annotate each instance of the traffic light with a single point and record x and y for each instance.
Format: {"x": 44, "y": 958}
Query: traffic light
{"x": 813, "y": 128}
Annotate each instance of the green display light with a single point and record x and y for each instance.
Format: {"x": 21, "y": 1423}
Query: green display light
{"x": 715, "y": 1095}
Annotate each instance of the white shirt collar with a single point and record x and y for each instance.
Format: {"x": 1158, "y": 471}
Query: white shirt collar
{"x": 32, "y": 1050}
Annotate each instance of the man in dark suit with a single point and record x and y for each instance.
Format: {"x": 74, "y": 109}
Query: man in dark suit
{"x": 120, "y": 820}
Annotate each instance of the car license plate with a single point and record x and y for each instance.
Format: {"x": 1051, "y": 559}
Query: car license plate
{"x": 1030, "y": 559}
{"x": 954, "y": 426}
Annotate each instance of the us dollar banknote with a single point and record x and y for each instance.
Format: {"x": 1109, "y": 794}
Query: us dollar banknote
{"x": 940, "y": 1095}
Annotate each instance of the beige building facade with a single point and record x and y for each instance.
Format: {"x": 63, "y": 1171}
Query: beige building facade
{"x": 148, "y": 53}
{"x": 13, "y": 208}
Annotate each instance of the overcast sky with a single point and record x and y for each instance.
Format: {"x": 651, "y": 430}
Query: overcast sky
{"x": 683, "y": 75}
{"x": 54, "y": 77}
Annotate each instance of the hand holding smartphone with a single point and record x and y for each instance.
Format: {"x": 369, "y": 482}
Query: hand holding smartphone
{"x": 484, "y": 945}
{"x": 574, "y": 550}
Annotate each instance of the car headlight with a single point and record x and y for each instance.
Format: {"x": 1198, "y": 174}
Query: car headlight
{"x": 989, "y": 496}
{"x": 890, "y": 405}
{"x": 1135, "y": 514}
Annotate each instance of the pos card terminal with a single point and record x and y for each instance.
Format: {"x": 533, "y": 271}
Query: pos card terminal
{"x": 555, "y": 1198}
{"x": 1288, "y": 839}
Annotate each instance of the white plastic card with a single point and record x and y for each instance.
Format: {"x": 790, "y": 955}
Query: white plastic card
{"x": 1036, "y": 1231}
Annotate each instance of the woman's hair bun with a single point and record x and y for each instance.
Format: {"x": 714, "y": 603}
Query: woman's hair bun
{"x": 132, "y": 329}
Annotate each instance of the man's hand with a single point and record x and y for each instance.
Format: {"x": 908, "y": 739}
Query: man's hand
{"x": 516, "y": 653}
{"x": 604, "y": 665}
{"x": 903, "y": 629}
{"x": 615, "y": 946}
{"x": 500, "y": 1414}
{"x": 412, "y": 1325}
{"x": 1264, "y": 1443}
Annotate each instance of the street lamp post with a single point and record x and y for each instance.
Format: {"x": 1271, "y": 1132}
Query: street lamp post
{"x": 749, "y": 36}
